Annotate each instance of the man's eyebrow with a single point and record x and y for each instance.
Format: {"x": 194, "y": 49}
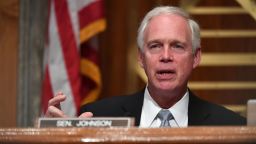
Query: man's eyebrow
{"x": 175, "y": 41}
{"x": 154, "y": 41}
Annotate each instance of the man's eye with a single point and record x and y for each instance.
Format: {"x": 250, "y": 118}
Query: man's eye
{"x": 154, "y": 46}
{"x": 178, "y": 46}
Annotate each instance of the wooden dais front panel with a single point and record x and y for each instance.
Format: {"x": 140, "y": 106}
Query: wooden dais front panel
{"x": 129, "y": 135}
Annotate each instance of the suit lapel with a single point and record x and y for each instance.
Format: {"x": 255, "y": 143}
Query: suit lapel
{"x": 133, "y": 107}
{"x": 197, "y": 110}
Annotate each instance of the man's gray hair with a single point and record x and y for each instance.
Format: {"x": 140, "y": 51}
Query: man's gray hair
{"x": 194, "y": 27}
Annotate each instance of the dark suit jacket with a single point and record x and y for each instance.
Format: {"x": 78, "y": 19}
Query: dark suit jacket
{"x": 200, "y": 112}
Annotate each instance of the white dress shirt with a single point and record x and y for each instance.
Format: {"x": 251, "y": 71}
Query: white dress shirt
{"x": 150, "y": 109}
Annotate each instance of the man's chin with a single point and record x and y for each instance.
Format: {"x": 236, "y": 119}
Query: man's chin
{"x": 166, "y": 87}
{"x": 163, "y": 86}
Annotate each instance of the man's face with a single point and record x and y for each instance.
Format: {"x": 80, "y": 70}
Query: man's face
{"x": 167, "y": 56}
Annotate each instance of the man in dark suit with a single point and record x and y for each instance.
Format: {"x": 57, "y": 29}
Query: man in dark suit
{"x": 200, "y": 112}
{"x": 169, "y": 50}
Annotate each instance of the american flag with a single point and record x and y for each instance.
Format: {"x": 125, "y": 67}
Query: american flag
{"x": 71, "y": 53}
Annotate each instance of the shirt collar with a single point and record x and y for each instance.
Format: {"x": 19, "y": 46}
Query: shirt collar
{"x": 150, "y": 109}
{"x": 180, "y": 111}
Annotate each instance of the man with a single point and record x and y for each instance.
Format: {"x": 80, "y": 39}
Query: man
{"x": 169, "y": 50}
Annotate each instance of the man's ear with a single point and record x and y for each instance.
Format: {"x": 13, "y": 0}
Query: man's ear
{"x": 197, "y": 57}
{"x": 140, "y": 58}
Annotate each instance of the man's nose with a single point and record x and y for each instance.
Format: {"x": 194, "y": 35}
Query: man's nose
{"x": 166, "y": 55}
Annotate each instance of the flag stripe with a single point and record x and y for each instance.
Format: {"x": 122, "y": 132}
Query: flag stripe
{"x": 91, "y": 13}
{"x": 69, "y": 47}
{"x": 57, "y": 69}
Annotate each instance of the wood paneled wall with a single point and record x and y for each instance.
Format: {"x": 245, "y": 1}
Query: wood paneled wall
{"x": 8, "y": 61}
{"x": 232, "y": 83}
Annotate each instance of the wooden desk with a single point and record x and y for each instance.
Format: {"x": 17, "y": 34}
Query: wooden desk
{"x": 129, "y": 135}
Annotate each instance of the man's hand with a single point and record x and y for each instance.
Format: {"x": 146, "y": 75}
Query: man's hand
{"x": 86, "y": 115}
{"x": 54, "y": 109}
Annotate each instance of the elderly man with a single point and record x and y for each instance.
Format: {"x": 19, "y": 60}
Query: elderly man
{"x": 169, "y": 50}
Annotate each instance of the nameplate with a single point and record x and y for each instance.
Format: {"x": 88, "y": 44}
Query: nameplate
{"x": 86, "y": 122}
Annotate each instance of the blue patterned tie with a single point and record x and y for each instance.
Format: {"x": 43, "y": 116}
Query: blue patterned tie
{"x": 165, "y": 115}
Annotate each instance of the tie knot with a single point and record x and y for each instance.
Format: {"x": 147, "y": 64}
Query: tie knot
{"x": 165, "y": 115}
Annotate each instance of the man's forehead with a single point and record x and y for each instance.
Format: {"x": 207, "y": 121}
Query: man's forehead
{"x": 163, "y": 26}
{"x": 168, "y": 22}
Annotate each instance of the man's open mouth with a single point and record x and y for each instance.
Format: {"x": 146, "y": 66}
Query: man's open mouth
{"x": 165, "y": 72}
